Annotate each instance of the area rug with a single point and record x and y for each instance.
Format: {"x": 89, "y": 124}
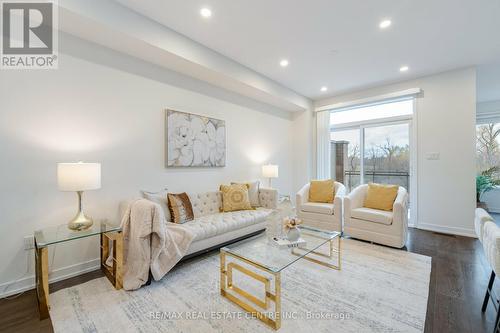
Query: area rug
{"x": 379, "y": 289}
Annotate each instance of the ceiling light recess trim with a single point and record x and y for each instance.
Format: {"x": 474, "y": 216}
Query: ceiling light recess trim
{"x": 284, "y": 63}
{"x": 384, "y": 24}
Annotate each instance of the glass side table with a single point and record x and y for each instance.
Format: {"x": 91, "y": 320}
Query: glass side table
{"x": 59, "y": 234}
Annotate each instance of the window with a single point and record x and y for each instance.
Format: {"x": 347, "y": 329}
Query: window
{"x": 372, "y": 112}
{"x": 488, "y": 148}
{"x": 378, "y": 143}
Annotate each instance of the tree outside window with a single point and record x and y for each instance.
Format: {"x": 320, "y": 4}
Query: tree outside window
{"x": 488, "y": 149}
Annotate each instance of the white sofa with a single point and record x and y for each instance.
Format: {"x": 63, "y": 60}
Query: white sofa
{"x": 384, "y": 227}
{"x": 489, "y": 234}
{"x": 326, "y": 216}
{"x": 212, "y": 227}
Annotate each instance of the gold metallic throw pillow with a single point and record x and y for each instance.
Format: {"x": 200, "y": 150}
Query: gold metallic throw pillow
{"x": 235, "y": 197}
{"x": 180, "y": 207}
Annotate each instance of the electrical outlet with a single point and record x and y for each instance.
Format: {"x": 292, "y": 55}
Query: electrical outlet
{"x": 29, "y": 243}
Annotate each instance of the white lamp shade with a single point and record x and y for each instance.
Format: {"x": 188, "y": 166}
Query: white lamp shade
{"x": 270, "y": 171}
{"x": 78, "y": 176}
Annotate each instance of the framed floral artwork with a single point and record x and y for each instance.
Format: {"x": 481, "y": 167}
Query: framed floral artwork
{"x": 194, "y": 141}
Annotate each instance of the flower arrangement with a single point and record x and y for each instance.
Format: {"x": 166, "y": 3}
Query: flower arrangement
{"x": 291, "y": 222}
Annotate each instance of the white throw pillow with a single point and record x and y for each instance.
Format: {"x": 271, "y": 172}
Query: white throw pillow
{"x": 161, "y": 199}
{"x": 253, "y": 192}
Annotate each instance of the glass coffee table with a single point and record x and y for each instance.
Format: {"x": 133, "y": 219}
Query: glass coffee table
{"x": 260, "y": 253}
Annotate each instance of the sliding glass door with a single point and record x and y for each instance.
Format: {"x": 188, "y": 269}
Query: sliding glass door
{"x": 377, "y": 145}
{"x": 387, "y": 154}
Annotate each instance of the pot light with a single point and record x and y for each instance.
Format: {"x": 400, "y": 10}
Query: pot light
{"x": 324, "y": 88}
{"x": 404, "y": 68}
{"x": 385, "y": 24}
{"x": 284, "y": 63}
{"x": 206, "y": 12}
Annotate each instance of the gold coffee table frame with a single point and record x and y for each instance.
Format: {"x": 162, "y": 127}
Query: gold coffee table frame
{"x": 253, "y": 304}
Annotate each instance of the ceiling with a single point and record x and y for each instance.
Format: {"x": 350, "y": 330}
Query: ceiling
{"x": 337, "y": 43}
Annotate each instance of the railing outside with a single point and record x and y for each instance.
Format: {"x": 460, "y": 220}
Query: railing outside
{"x": 401, "y": 178}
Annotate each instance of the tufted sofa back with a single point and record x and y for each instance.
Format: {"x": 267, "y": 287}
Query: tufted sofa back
{"x": 206, "y": 203}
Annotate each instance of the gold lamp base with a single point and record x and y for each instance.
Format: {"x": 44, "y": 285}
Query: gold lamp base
{"x": 80, "y": 221}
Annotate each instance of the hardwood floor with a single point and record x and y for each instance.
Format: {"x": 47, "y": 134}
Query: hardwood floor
{"x": 458, "y": 282}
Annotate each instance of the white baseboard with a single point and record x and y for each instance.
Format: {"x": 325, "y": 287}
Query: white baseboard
{"x": 447, "y": 230}
{"x": 59, "y": 274}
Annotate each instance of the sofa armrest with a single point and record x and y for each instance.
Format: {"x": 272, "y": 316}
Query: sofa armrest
{"x": 340, "y": 192}
{"x": 491, "y": 245}
{"x": 400, "y": 211}
{"x": 357, "y": 196}
{"x": 268, "y": 197}
{"x": 354, "y": 200}
{"x": 302, "y": 196}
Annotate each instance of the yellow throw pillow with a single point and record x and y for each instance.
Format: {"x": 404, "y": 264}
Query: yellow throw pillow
{"x": 381, "y": 196}
{"x": 235, "y": 197}
{"x": 322, "y": 191}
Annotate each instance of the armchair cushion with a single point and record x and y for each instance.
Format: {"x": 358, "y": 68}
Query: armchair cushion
{"x": 381, "y": 196}
{"x": 372, "y": 215}
{"x": 318, "y": 207}
{"x": 322, "y": 191}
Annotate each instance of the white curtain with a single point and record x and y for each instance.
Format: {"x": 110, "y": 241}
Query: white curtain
{"x": 323, "y": 145}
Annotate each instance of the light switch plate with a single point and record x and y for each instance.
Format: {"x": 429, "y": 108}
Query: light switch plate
{"x": 432, "y": 155}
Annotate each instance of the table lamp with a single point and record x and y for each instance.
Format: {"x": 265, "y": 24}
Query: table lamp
{"x": 79, "y": 177}
{"x": 270, "y": 171}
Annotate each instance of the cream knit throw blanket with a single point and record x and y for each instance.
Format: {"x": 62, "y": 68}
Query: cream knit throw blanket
{"x": 150, "y": 244}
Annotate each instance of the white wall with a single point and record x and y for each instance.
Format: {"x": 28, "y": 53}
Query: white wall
{"x": 106, "y": 107}
{"x": 446, "y": 113}
{"x": 303, "y": 152}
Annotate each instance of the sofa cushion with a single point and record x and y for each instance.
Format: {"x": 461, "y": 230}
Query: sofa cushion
{"x": 206, "y": 203}
{"x": 317, "y": 207}
{"x": 161, "y": 199}
{"x": 372, "y": 215}
{"x": 220, "y": 223}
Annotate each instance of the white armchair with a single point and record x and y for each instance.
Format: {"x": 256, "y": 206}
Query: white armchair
{"x": 378, "y": 226}
{"x": 327, "y": 216}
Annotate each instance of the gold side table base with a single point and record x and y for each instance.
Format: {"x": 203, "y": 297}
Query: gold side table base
{"x": 113, "y": 273}
{"x": 42, "y": 281}
{"x": 228, "y": 289}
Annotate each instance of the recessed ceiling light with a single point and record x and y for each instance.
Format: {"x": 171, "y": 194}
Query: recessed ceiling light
{"x": 404, "y": 68}
{"x": 284, "y": 63}
{"x": 324, "y": 88}
{"x": 385, "y": 24}
{"x": 206, "y": 12}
